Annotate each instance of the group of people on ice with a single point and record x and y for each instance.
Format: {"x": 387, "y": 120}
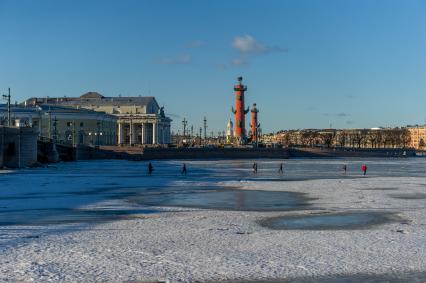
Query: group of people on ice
{"x": 280, "y": 169}
{"x": 151, "y": 169}
{"x": 363, "y": 169}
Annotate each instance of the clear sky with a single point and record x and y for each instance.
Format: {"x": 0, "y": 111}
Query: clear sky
{"x": 307, "y": 64}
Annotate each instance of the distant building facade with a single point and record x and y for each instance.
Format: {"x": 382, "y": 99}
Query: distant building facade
{"x": 64, "y": 124}
{"x": 418, "y": 136}
{"x": 351, "y": 138}
{"x": 140, "y": 120}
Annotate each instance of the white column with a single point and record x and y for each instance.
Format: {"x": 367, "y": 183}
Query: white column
{"x": 138, "y": 132}
{"x": 143, "y": 133}
{"x": 132, "y": 133}
{"x": 154, "y": 133}
{"x": 120, "y": 133}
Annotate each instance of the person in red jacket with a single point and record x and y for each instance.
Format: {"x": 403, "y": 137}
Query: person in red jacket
{"x": 364, "y": 169}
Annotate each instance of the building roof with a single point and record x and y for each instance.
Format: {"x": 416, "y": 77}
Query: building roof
{"x": 52, "y": 108}
{"x": 65, "y": 109}
{"x": 95, "y": 98}
{"x": 92, "y": 95}
{"x": 17, "y": 108}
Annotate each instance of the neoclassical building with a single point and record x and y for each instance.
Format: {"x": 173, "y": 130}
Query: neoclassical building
{"x": 66, "y": 125}
{"x": 140, "y": 120}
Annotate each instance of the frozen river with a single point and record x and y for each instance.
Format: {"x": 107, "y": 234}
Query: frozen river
{"x": 45, "y": 210}
{"x": 106, "y": 190}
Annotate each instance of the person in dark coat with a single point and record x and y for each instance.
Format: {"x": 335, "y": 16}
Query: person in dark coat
{"x": 254, "y": 167}
{"x": 281, "y": 169}
{"x": 184, "y": 169}
{"x": 150, "y": 168}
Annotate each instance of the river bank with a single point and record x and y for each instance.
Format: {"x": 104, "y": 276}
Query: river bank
{"x": 200, "y": 153}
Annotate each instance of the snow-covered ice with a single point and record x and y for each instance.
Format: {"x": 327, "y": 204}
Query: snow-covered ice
{"x": 87, "y": 222}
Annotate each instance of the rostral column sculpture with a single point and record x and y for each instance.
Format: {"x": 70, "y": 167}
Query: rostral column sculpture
{"x": 240, "y": 112}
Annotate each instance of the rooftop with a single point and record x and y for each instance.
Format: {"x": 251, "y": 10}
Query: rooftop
{"x": 95, "y": 98}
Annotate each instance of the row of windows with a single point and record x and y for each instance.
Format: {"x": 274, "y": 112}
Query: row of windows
{"x": 69, "y": 124}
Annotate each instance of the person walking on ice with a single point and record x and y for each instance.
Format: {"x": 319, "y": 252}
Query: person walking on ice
{"x": 184, "y": 169}
{"x": 255, "y": 168}
{"x": 364, "y": 169}
{"x": 150, "y": 168}
{"x": 281, "y": 171}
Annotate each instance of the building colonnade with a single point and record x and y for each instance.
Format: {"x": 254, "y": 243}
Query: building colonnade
{"x": 134, "y": 132}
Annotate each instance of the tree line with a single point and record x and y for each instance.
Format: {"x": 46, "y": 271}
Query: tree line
{"x": 359, "y": 138}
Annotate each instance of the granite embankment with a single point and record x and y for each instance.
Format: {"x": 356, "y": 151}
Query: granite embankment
{"x": 70, "y": 153}
{"x": 18, "y": 147}
{"x": 137, "y": 153}
{"x": 312, "y": 152}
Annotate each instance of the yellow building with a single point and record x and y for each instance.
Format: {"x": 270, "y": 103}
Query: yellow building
{"x": 418, "y": 137}
{"x": 64, "y": 124}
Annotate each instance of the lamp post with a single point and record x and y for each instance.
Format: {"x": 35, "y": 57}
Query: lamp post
{"x": 205, "y": 127}
{"x": 55, "y": 132}
{"x": 184, "y": 123}
{"x": 49, "y": 125}
{"x": 256, "y": 137}
{"x": 98, "y": 131}
{"x": 7, "y": 97}
{"x": 73, "y": 134}
{"x": 91, "y": 138}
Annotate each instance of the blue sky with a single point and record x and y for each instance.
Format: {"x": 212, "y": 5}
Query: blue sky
{"x": 307, "y": 64}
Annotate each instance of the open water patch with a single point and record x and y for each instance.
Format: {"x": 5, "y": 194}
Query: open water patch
{"x": 331, "y": 221}
{"x": 228, "y": 199}
{"x": 380, "y": 189}
{"x": 413, "y": 196}
{"x": 413, "y": 277}
{"x": 50, "y": 216}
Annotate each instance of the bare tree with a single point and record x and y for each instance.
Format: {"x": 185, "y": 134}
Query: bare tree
{"x": 287, "y": 139}
{"x": 358, "y": 137}
{"x": 328, "y": 138}
{"x": 422, "y": 143}
{"x": 305, "y": 137}
{"x": 342, "y": 138}
{"x": 405, "y": 137}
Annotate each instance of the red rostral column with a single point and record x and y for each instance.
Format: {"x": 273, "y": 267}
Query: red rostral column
{"x": 240, "y": 112}
{"x": 254, "y": 123}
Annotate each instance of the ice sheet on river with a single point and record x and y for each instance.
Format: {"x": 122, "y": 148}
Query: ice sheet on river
{"x": 138, "y": 241}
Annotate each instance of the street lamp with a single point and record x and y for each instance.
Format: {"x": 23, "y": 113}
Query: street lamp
{"x": 91, "y": 138}
{"x": 7, "y": 97}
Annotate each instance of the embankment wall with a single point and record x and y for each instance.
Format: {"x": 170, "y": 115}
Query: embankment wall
{"x": 18, "y": 147}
